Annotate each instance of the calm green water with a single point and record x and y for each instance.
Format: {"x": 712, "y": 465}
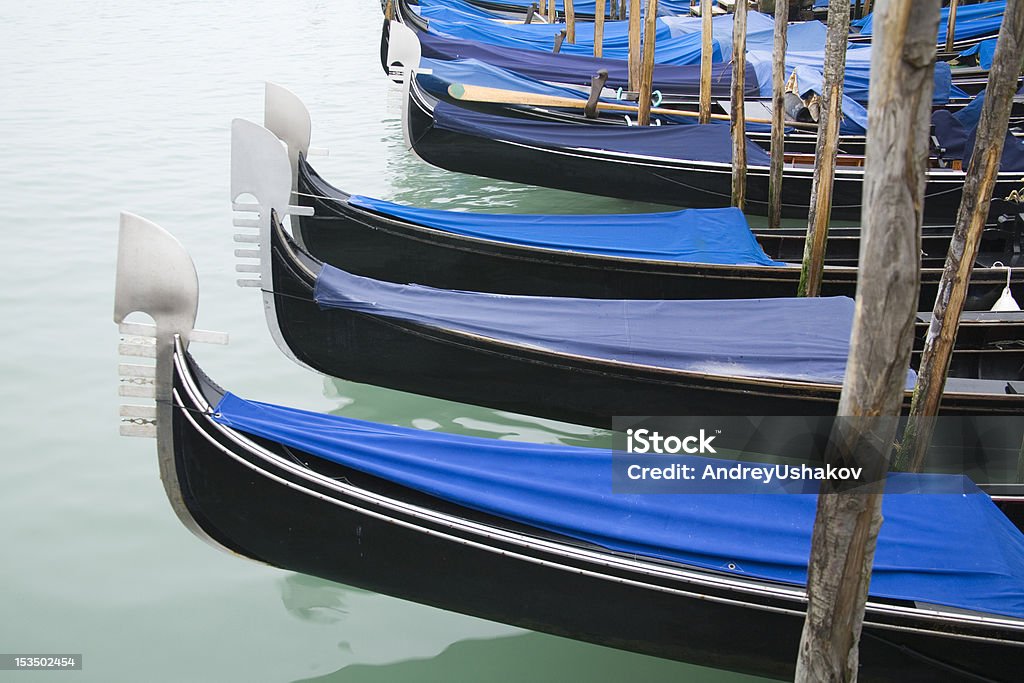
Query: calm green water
{"x": 118, "y": 105}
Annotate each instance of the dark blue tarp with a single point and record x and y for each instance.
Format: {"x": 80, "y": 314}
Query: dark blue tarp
{"x": 799, "y": 339}
{"x": 944, "y": 549}
{"x": 956, "y": 134}
{"x": 972, "y": 21}
{"x": 691, "y": 235}
{"x": 693, "y": 143}
{"x": 577, "y": 69}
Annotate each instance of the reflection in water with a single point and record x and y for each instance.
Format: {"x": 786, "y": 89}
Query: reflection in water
{"x": 530, "y": 657}
{"x": 366, "y": 402}
{"x": 374, "y": 630}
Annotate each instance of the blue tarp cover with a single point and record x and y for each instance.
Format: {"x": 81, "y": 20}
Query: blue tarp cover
{"x": 972, "y": 21}
{"x": 945, "y": 549}
{"x": 985, "y": 50}
{"x": 690, "y": 143}
{"x": 805, "y": 339}
{"x": 690, "y": 235}
{"x": 956, "y": 134}
{"x": 452, "y": 22}
{"x": 856, "y": 78}
{"x": 577, "y": 69}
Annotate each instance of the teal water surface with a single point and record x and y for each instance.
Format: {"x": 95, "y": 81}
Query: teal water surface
{"x": 118, "y": 105}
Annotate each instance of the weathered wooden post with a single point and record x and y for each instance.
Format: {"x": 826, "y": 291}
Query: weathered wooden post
{"x": 706, "y": 47}
{"x": 634, "y": 45}
{"x": 552, "y": 11}
{"x": 867, "y": 7}
{"x": 828, "y": 145}
{"x": 738, "y": 123}
{"x": 847, "y": 522}
{"x": 570, "y": 22}
{"x": 970, "y": 222}
{"x": 778, "y": 149}
{"x": 647, "y": 67}
{"x": 598, "y": 28}
{"x": 951, "y": 25}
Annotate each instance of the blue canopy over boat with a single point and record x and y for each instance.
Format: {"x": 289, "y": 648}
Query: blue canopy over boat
{"x": 972, "y": 21}
{"x": 684, "y": 143}
{"x": 951, "y": 549}
{"x": 578, "y": 69}
{"x": 802, "y": 339}
{"x": 691, "y": 235}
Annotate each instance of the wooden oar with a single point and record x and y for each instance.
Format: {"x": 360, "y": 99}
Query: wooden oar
{"x": 479, "y": 93}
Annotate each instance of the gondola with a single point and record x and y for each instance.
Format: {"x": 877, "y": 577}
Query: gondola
{"x": 574, "y": 361}
{"x": 403, "y": 244}
{"x": 681, "y": 165}
{"x": 721, "y": 585}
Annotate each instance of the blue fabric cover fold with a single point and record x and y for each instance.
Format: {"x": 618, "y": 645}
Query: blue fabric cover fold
{"x": 685, "y": 143}
{"x": 947, "y": 549}
{"x": 691, "y": 235}
{"x": 800, "y": 339}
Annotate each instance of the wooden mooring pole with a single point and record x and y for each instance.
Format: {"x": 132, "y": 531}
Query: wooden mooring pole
{"x": 634, "y": 45}
{"x": 970, "y": 223}
{"x": 827, "y": 148}
{"x": 647, "y": 66}
{"x": 847, "y": 522}
{"x": 570, "y": 22}
{"x": 778, "y": 148}
{"x": 706, "y": 47}
{"x": 738, "y": 124}
{"x": 951, "y": 25}
{"x": 598, "y": 28}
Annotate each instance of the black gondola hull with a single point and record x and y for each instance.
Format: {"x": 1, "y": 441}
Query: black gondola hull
{"x": 445, "y": 364}
{"x": 667, "y": 181}
{"x": 365, "y": 533}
